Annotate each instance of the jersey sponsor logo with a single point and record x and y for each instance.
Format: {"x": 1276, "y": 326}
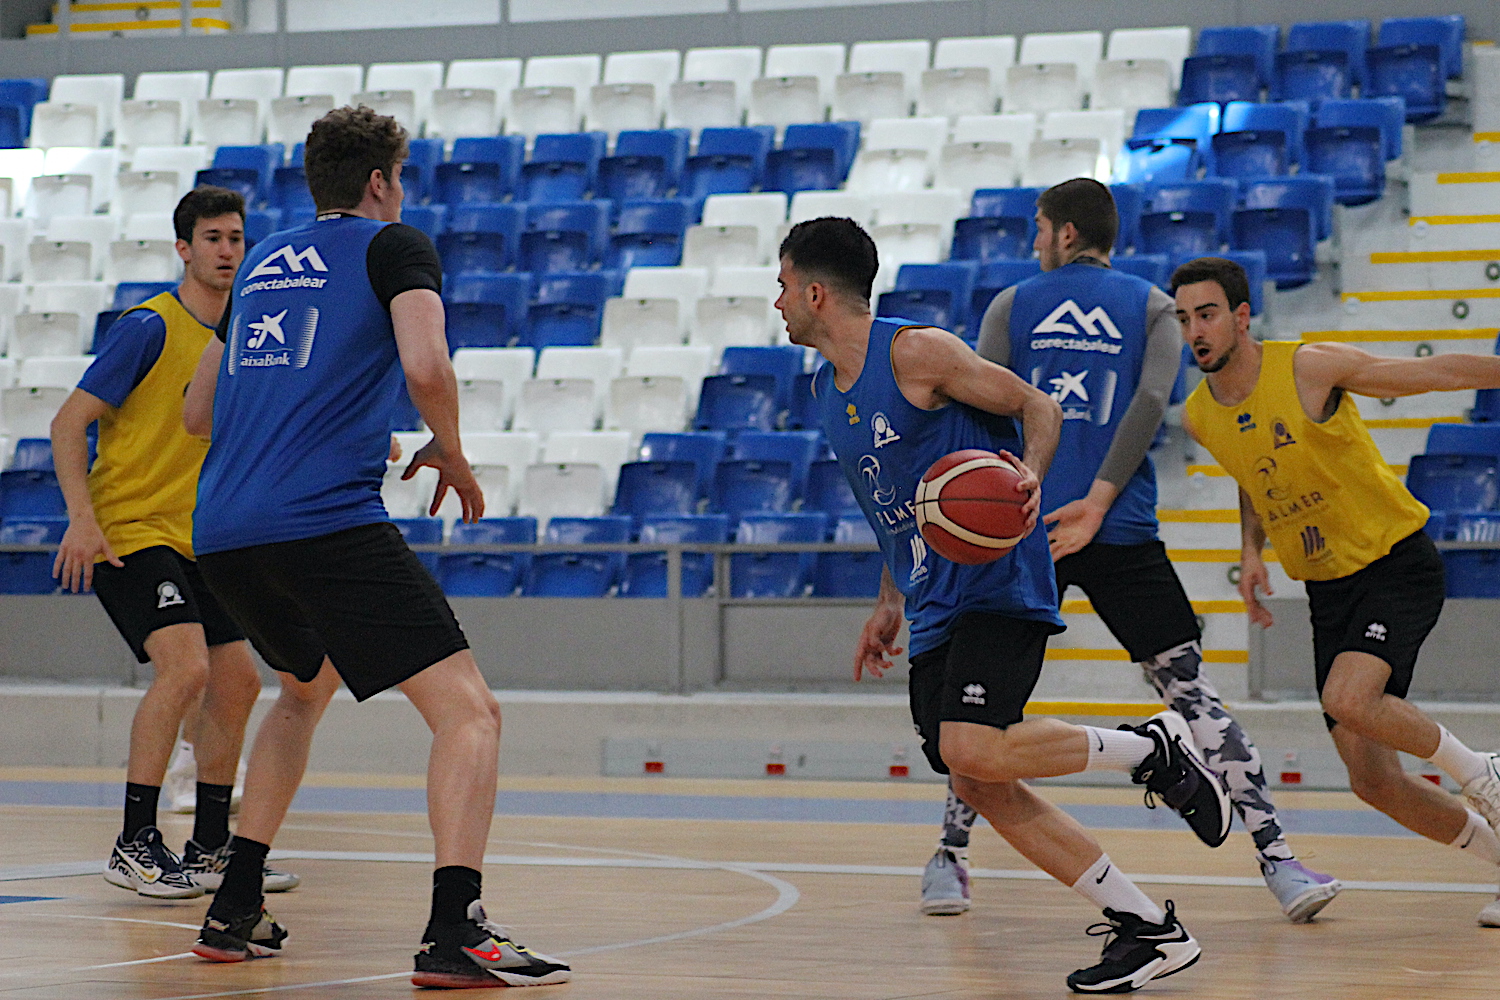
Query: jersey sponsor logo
{"x": 884, "y": 433}
{"x": 1073, "y": 394}
{"x": 1076, "y": 330}
{"x": 918, "y": 558}
{"x": 881, "y": 490}
{"x": 853, "y": 414}
{"x": 294, "y": 259}
{"x": 1245, "y": 421}
{"x": 1069, "y": 384}
{"x": 1375, "y": 631}
{"x": 1313, "y": 541}
{"x": 274, "y": 341}
{"x": 1281, "y": 437}
{"x": 973, "y": 694}
{"x": 895, "y": 518}
{"x": 1284, "y": 504}
{"x": 269, "y": 326}
{"x": 167, "y": 595}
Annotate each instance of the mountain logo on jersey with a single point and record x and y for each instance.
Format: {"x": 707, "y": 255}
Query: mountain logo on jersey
{"x": 884, "y": 433}
{"x": 1077, "y": 330}
{"x": 294, "y": 259}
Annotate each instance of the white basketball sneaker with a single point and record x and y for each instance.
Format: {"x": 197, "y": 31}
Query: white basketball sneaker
{"x": 1483, "y": 792}
{"x": 945, "y": 882}
{"x": 180, "y": 786}
{"x": 1490, "y": 915}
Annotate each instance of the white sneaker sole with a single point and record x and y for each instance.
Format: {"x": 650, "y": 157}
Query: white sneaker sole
{"x": 1490, "y": 915}
{"x": 1311, "y": 903}
{"x": 152, "y": 890}
{"x": 282, "y": 883}
{"x": 945, "y": 907}
{"x": 1179, "y": 956}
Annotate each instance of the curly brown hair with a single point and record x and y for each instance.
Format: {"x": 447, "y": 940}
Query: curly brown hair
{"x": 343, "y": 148}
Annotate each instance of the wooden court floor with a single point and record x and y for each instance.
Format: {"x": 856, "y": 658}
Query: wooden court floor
{"x": 668, "y": 909}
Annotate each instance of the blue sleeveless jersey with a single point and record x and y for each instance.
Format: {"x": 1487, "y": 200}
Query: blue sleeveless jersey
{"x": 1079, "y": 333}
{"x": 306, "y": 391}
{"x": 884, "y": 445}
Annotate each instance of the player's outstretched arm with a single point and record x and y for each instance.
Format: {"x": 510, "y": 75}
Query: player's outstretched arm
{"x": 877, "y": 641}
{"x": 198, "y": 404}
{"x": 1330, "y": 366}
{"x": 1253, "y": 572}
{"x": 417, "y": 318}
{"x": 83, "y": 542}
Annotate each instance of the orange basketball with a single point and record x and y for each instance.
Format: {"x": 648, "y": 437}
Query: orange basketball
{"x": 968, "y": 507}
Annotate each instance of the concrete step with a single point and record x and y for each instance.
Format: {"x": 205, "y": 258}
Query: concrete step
{"x": 1472, "y": 195}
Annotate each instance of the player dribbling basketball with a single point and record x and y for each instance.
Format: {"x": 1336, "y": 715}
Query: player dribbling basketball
{"x": 893, "y": 399}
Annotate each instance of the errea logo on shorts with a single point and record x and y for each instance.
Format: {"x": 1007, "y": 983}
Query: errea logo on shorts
{"x": 973, "y": 694}
{"x": 1376, "y": 631}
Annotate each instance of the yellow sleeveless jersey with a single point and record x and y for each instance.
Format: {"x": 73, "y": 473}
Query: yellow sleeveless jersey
{"x": 144, "y": 482}
{"x": 1329, "y": 502}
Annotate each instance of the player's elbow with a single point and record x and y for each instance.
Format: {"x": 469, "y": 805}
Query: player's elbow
{"x": 197, "y": 421}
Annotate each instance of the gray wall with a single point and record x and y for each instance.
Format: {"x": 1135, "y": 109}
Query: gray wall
{"x": 932, "y": 19}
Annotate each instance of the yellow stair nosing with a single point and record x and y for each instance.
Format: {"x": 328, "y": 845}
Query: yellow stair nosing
{"x": 1376, "y": 336}
{"x": 1469, "y": 177}
{"x": 1452, "y": 220}
{"x": 1432, "y": 256}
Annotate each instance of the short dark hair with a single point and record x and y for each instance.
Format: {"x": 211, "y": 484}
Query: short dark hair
{"x": 1087, "y": 204}
{"x": 837, "y": 252}
{"x": 343, "y": 147}
{"x": 1229, "y": 274}
{"x": 206, "y": 202}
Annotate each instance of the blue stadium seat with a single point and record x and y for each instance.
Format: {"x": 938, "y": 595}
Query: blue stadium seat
{"x": 133, "y": 293}
{"x": 1006, "y": 203}
{"x": 812, "y": 157}
{"x": 799, "y": 448}
{"x": 33, "y": 454}
{"x": 933, "y": 294}
{"x": 418, "y": 172}
{"x": 1130, "y": 201}
{"x": 241, "y": 180}
{"x": 1001, "y": 225}
{"x": 1472, "y": 573}
{"x": 828, "y": 489}
{"x": 802, "y": 415}
{"x": 1384, "y": 113}
{"x": 657, "y": 488}
{"x": 487, "y": 574}
{"x": 12, "y": 125}
{"x": 564, "y": 236}
{"x": 29, "y": 572}
{"x": 1351, "y": 38}
{"x": 404, "y": 414}
{"x": 1179, "y": 234}
{"x": 1214, "y": 195}
{"x": 30, "y": 493}
{"x": 751, "y": 486}
{"x": 775, "y": 574}
{"x": 289, "y": 188}
{"x": 24, "y": 93}
{"x": 578, "y": 574}
{"x": 244, "y": 163}
{"x": 702, "y": 448}
{"x": 1312, "y": 76}
{"x": 260, "y": 223}
{"x": 645, "y": 164}
{"x": 483, "y": 169}
{"x": 1220, "y": 78}
{"x": 481, "y": 238}
{"x": 102, "y": 323}
{"x": 1411, "y": 72}
{"x": 646, "y": 572}
{"x": 785, "y": 363}
{"x": 1290, "y": 118}
{"x": 1452, "y": 439}
{"x": 1154, "y": 267}
{"x": 728, "y": 161}
{"x": 422, "y": 531}
{"x": 1256, "y": 269}
{"x": 1353, "y": 156}
{"x": 648, "y": 233}
{"x": 849, "y": 574}
{"x": 1259, "y": 41}
{"x": 1286, "y": 236}
{"x": 994, "y": 277}
{"x": 734, "y": 403}
{"x": 1310, "y": 191}
{"x": 1454, "y": 484}
{"x": 567, "y": 309}
{"x": 431, "y": 219}
{"x": 1446, "y": 32}
{"x": 562, "y": 166}
{"x": 486, "y": 310}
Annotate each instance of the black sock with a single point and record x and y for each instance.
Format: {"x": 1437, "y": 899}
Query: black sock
{"x": 140, "y": 808}
{"x": 211, "y": 821}
{"x": 241, "y": 889}
{"x": 454, "y": 887}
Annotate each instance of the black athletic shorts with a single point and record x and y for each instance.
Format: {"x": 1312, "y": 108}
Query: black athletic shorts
{"x": 156, "y": 588}
{"x": 1385, "y": 609}
{"x": 359, "y": 597}
{"x": 1135, "y": 592}
{"x": 983, "y": 673}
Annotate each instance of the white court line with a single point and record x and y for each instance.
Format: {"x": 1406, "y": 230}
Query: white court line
{"x": 139, "y": 961}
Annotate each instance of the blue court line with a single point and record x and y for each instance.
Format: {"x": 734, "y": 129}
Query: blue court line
{"x": 631, "y": 805}
{"x": 26, "y": 899}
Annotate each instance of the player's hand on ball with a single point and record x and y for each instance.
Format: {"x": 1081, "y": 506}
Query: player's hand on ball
{"x": 1028, "y": 483}
{"x": 453, "y": 473}
{"x": 81, "y": 544}
{"x": 1073, "y": 525}
{"x": 877, "y": 640}
{"x": 1253, "y": 574}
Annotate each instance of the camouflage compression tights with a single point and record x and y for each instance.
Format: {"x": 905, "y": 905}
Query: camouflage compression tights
{"x": 1177, "y": 679}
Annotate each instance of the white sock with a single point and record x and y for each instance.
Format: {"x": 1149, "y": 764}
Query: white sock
{"x": 1478, "y": 838}
{"x": 1107, "y": 887}
{"x": 1116, "y": 749}
{"x": 1456, "y": 760}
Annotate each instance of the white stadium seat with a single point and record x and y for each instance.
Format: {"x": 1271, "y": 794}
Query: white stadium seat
{"x": 633, "y": 91}
{"x": 339, "y": 82}
{"x": 1108, "y": 126}
{"x": 913, "y": 227}
{"x": 742, "y": 281}
{"x": 685, "y": 284}
{"x": 12, "y": 294}
{"x": 557, "y": 404}
{"x": 103, "y": 90}
{"x": 715, "y": 87}
{"x": 73, "y": 181}
{"x": 995, "y": 53}
{"x": 19, "y": 167}
{"x": 908, "y": 58}
{"x": 182, "y": 162}
{"x": 607, "y": 449}
{"x": 797, "y": 85}
{"x": 15, "y": 237}
{"x": 579, "y": 72}
{"x": 187, "y": 86}
{"x": 28, "y": 413}
{"x": 1132, "y": 84}
{"x": 148, "y": 226}
{"x": 410, "y": 497}
{"x": 238, "y": 106}
{"x": 1037, "y": 88}
{"x": 824, "y": 62}
{"x": 389, "y": 84}
{"x": 1081, "y": 48}
{"x": 39, "y": 334}
{"x": 598, "y": 364}
{"x": 552, "y": 95}
{"x": 155, "y": 122}
{"x": 1052, "y": 161}
{"x": 630, "y": 323}
{"x": 639, "y": 404}
{"x": 75, "y": 248}
{"x": 62, "y": 372}
{"x": 765, "y": 211}
{"x": 966, "y": 166}
{"x": 59, "y": 123}
{"x": 292, "y": 117}
{"x": 7, "y": 376}
{"x": 143, "y": 260}
{"x": 1016, "y": 129}
{"x": 689, "y": 363}
{"x": 1172, "y": 45}
{"x": 841, "y": 204}
{"x": 508, "y": 365}
{"x": 499, "y": 75}
{"x": 732, "y": 321}
{"x": 482, "y": 405}
{"x": 515, "y": 450}
{"x": 561, "y": 491}
{"x": 899, "y": 154}
{"x": 967, "y": 75}
{"x": 475, "y": 99}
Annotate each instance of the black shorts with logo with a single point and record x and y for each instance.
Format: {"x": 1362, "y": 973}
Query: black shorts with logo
{"x": 1386, "y": 609}
{"x": 157, "y": 587}
{"x": 984, "y": 672}
{"x": 1136, "y": 593}
{"x": 359, "y": 597}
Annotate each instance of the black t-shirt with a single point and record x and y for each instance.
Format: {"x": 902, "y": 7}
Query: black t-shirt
{"x": 399, "y": 259}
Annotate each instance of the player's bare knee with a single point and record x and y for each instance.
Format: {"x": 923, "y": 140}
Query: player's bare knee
{"x": 1346, "y": 706}
{"x": 1374, "y": 782}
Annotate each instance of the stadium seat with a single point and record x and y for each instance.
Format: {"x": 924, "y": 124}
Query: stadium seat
{"x": 715, "y": 87}
{"x": 798, "y": 448}
{"x": 552, "y": 490}
{"x": 483, "y": 406}
{"x": 1445, "y": 31}
{"x": 475, "y": 97}
{"x": 103, "y": 91}
{"x": 1154, "y": 267}
{"x": 797, "y": 85}
{"x": 818, "y": 204}
{"x": 1454, "y": 483}
{"x": 133, "y": 293}
{"x": 184, "y": 88}
{"x": 1312, "y": 76}
{"x": 15, "y": 120}
{"x": 1353, "y": 155}
{"x": 62, "y": 123}
{"x": 994, "y": 277}
{"x": 657, "y": 487}
{"x": 487, "y": 574}
{"x": 500, "y": 461}
{"x": 340, "y": 83}
{"x": 1287, "y": 237}
{"x": 607, "y": 449}
{"x": 648, "y": 233}
{"x": 562, "y": 167}
{"x": 1001, "y": 225}
{"x": 645, "y": 164}
{"x": 633, "y": 91}
{"x": 24, "y": 93}
{"x": 812, "y": 157}
{"x": 27, "y": 411}
{"x": 567, "y": 309}
{"x": 727, "y": 161}
{"x": 481, "y": 238}
{"x": 403, "y": 91}
{"x": 1014, "y": 130}
{"x": 596, "y": 364}
{"x": 737, "y": 230}
{"x": 630, "y": 323}
{"x": 1194, "y": 123}
{"x": 1213, "y": 195}
{"x": 1309, "y": 191}
{"x": 1082, "y": 49}
{"x": 908, "y": 59}
{"x": 1130, "y": 202}
{"x": 580, "y": 574}
{"x": 1462, "y": 439}
{"x": 431, "y": 219}
{"x": 237, "y": 107}
{"x": 72, "y": 182}
{"x": 849, "y": 574}
{"x": 1043, "y": 87}
{"x": 784, "y": 363}
{"x": 1131, "y": 84}
{"x": 1259, "y": 41}
{"x": 802, "y": 415}
{"x": 1349, "y": 38}
{"x": 752, "y": 486}
{"x": 703, "y": 448}
{"x": 29, "y": 572}
{"x": 828, "y": 489}
{"x": 486, "y": 310}
{"x": 52, "y": 372}
{"x": 933, "y": 294}
{"x": 1412, "y": 72}
{"x": 640, "y": 403}
{"x": 1258, "y": 140}
{"x": 509, "y": 366}
{"x": 30, "y": 493}
{"x": 154, "y": 122}
{"x": 686, "y": 362}
{"x": 646, "y": 572}
{"x": 32, "y": 454}
{"x": 737, "y": 402}
{"x": 966, "y": 76}
{"x": 1221, "y": 78}
{"x": 481, "y": 170}
{"x": 564, "y": 236}
{"x": 775, "y": 574}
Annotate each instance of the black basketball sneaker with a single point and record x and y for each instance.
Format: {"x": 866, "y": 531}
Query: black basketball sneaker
{"x": 1175, "y": 773}
{"x": 477, "y": 954}
{"x": 1135, "y": 953}
{"x": 254, "y": 935}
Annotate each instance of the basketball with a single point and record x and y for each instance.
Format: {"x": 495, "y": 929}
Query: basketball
{"x": 968, "y": 507}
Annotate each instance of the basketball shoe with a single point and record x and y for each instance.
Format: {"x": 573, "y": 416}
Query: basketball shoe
{"x": 1175, "y": 773}
{"x": 179, "y": 788}
{"x": 945, "y": 882}
{"x": 1490, "y": 915}
{"x": 1301, "y": 891}
{"x": 254, "y": 935}
{"x": 1483, "y": 792}
{"x": 147, "y": 866}
{"x": 207, "y": 869}
{"x": 1135, "y": 953}
{"x": 477, "y": 953}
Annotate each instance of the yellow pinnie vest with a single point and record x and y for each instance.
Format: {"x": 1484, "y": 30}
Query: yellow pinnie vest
{"x": 1329, "y": 502}
{"x": 145, "y": 480}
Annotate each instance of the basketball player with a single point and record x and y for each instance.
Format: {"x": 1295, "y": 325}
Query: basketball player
{"x": 1277, "y": 416}
{"x": 1112, "y": 372}
{"x": 130, "y": 523}
{"x": 298, "y": 391}
{"x": 893, "y": 399}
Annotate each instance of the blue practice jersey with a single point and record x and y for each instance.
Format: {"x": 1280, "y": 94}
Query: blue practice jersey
{"x": 884, "y": 445}
{"x": 1079, "y": 333}
{"x": 306, "y": 393}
